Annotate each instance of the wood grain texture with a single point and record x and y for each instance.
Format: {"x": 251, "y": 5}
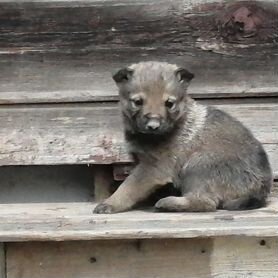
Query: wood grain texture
{"x": 93, "y": 133}
{"x": 92, "y": 3}
{"x": 61, "y": 135}
{"x": 75, "y": 221}
{"x": 202, "y": 258}
{"x": 117, "y": 259}
{"x": 2, "y": 261}
{"x": 44, "y": 78}
{"x": 230, "y": 52}
{"x": 138, "y": 23}
{"x": 228, "y": 257}
{"x": 242, "y": 257}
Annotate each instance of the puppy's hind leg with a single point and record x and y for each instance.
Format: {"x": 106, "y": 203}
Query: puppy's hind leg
{"x": 245, "y": 202}
{"x": 189, "y": 202}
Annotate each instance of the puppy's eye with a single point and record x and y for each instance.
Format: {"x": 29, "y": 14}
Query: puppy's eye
{"x": 170, "y": 104}
{"x": 137, "y": 102}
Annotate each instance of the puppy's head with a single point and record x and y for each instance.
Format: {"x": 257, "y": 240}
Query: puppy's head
{"x": 152, "y": 96}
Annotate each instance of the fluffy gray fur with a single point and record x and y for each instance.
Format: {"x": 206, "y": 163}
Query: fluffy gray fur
{"x": 213, "y": 160}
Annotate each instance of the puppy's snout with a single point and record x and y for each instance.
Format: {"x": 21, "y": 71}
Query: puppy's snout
{"x": 153, "y": 122}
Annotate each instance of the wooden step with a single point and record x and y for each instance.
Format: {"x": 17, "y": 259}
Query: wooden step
{"x": 93, "y": 133}
{"x": 46, "y": 240}
{"x": 221, "y": 257}
{"x": 75, "y": 221}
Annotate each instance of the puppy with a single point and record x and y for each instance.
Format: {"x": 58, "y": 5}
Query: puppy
{"x": 209, "y": 156}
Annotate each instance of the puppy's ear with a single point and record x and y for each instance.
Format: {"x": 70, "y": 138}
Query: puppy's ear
{"x": 123, "y": 75}
{"x": 183, "y": 75}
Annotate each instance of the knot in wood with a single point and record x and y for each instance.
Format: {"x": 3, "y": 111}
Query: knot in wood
{"x": 242, "y": 23}
{"x": 248, "y": 21}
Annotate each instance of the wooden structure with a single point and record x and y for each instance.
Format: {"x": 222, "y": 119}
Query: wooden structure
{"x": 58, "y": 107}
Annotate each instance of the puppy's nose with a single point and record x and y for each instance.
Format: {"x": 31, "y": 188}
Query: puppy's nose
{"x": 153, "y": 124}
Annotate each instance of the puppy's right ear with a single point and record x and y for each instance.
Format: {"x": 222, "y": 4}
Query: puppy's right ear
{"x": 123, "y": 75}
{"x": 184, "y": 75}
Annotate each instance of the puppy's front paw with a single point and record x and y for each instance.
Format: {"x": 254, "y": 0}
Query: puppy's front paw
{"x": 103, "y": 209}
{"x": 166, "y": 204}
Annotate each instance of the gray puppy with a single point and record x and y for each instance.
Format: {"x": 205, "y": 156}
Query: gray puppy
{"x": 212, "y": 159}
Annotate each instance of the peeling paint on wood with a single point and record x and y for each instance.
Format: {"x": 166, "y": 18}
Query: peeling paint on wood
{"x": 93, "y": 133}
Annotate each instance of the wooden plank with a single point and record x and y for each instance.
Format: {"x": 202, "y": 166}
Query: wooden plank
{"x": 75, "y": 221}
{"x": 44, "y": 78}
{"x": 2, "y": 261}
{"x": 88, "y": 3}
{"x": 244, "y": 257}
{"x": 235, "y": 257}
{"x": 103, "y": 259}
{"x": 202, "y": 35}
{"x": 92, "y": 3}
{"x": 91, "y": 133}
{"x": 129, "y": 20}
{"x": 61, "y": 135}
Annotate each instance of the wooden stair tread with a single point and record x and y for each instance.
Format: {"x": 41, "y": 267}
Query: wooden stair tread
{"x": 75, "y": 221}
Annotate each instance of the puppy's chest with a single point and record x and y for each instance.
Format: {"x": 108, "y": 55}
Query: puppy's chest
{"x": 171, "y": 155}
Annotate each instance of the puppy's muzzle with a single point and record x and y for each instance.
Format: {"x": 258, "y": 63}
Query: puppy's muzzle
{"x": 153, "y": 124}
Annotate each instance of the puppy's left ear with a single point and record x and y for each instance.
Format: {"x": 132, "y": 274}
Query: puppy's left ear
{"x": 183, "y": 75}
{"x": 123, "y": 75}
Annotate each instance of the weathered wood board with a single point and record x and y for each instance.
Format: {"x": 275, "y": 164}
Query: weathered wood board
{"x": 44, "y": 78}
{"x": 92, "y": 133}
{"x": 244, "y": 257}
{"x": 235, "y": 257}
{"x": 64, "y": 52}
{"x": 75, "y": 221}
{"x": 2, "y": 261}
{"x": 128, "y": 23}
{"x": 232, "y": 47}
